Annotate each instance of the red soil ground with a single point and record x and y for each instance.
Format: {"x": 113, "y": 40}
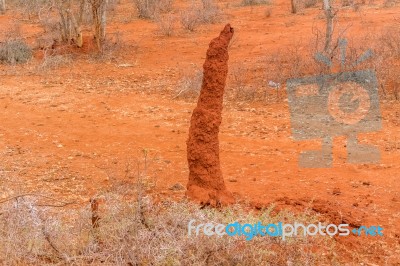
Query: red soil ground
{"x": 71, "y": 132}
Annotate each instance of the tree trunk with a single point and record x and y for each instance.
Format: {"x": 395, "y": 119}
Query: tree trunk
{"x": 2, "y": 6}
{"x": 99, "y": 8}
{"x": 70, "y": 29}
{"x": 294, "y": 8}
{"x": 329, "y": 25}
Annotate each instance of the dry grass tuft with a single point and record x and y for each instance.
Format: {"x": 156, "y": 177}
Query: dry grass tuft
{"x": 135, "y": 232}
{"x": 14, "y": 52}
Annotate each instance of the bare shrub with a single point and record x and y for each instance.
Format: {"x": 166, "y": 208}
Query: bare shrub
{"x": 190, "y": 85}
{"x": 166, "y": 24}
{"x": 69, "y": 27}
{"x": 53, "y": 61}
{"x": 14, "y": 51}
{"x": 357, "y": 7}
{"x": 190, "y": 19}
{"x": 209, "y": 13}
{"x": 390, "y": 41}
{"x": 2, "y": 6}
{"x": 32, "y": 8}
{"x": 150, "y": 9}
{"x": 146, "y": 8}
{"x": 389, "y": 3}
{"x": 240, "y": 88}
{"x": 195, "y": 15}
{"x": 310, "y": 3}
{"x": 165, "y": 6}
{"x": 99, "y": 11}
{"x": 132, "y": 232}
{"x": 347, "y": 3}
{"x": 255, "y": 2}
{"x": 111, "y": 48}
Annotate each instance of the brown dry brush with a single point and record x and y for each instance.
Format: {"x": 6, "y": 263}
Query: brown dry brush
{"x": 70, "y": 27}
{"x": 32, "y": 234}
{"x": 99, "y": 8}
{"x": 2, "y": 6}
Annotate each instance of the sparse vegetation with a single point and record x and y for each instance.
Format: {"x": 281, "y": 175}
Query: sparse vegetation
{"x": 2, "y": 6}
{"x": 347, "y": 3}
{"x": 190, "y": 84}
{"x": 310, "y": 3}
{"x": 166, "y": 24}
{"x": 14, "y": 52}
{"x": 127, "y": 232}
{"x": 389, "y": 3}
{"x": 150, "y": 9}
{"x": 54, "y": 61}
{"x": 255, "y": 2}
{"x": 207, "y": 12}
{"x": 190, "y": 19}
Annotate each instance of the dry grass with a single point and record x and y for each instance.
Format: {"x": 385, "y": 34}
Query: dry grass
{"x": 310, "y": 3}
{"x": 190, "y": 19}
{"x": 32, "y": 8}
{"x": 150, "y": 9}
{"x": 112, "y": 48}
{"x": 255, "y": 2}
{"x": 133, "y": 232}
{"x": 196, "y": 15}
{"x": 54, "y": 61}
{"x": 190, "y": 85}
{"x": 14, "y": 51}
{"x": 166, "y": 24}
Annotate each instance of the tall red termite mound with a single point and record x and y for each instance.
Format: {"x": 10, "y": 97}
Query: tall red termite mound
{"x": 206, "y": 183}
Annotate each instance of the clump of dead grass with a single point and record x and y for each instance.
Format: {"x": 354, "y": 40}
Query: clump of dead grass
{"x": 14, "y": 51}
{"x": 196, "y": 15}
{"x": 190, "y": 85}
{"x": 135, "y": 232}
{"x": 255, "y": 2}
{"x": 150, "y": 9}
